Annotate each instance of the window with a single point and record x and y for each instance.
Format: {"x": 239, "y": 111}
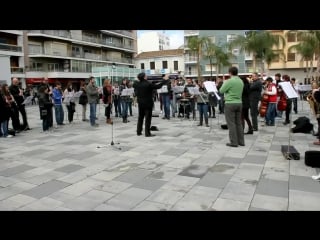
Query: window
{"x": 291, "y": 37}
{"x": 165, "y": 64}
{"x": 175, "y": 66}
{"x": 231, "y": 37}
{"x": 152, "y": 65}
{"x": 213, "y": 39}
{"x": 142, "y": 65}
{"x": 235, "y": 51}
{"x": 291, "y": 57}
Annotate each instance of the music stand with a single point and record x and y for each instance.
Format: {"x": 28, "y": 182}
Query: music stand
{"x": 112, "y": 143}
{"x": 212, "y": 88}
{"x": 291, "y": 93}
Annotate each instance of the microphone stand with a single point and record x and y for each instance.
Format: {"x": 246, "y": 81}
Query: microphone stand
{"x": 112, "y": 144}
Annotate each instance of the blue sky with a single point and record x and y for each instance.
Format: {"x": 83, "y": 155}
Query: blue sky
{"x": 176, "y": 36}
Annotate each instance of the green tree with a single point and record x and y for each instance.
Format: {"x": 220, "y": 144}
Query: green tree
{"x": 196, "y": 44}
{"x": 259, "y": 44}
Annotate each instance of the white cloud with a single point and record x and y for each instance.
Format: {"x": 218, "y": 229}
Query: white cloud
{"x": 176, "y": 40}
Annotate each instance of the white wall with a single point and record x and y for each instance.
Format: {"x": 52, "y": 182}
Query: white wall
{"x": 158, "y": 63}
{"x": 5, "y": 76}
{"x": 150, "y": 42}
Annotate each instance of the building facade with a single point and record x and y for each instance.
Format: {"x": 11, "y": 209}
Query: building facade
{"x": 220, "y": 38}
{"x": 12, "y": 50}
{"x": 161, "y": 62}
{"x": 290, "y": 62}
{"x": 70, "y": 55}
{"x": 153, "y": 41}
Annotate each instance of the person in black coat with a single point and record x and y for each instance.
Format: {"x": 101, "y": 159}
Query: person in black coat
{"x": 246, "y": 106}
{"x": 144, "y": 92}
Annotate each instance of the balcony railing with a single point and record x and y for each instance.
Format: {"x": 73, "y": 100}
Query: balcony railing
{"x": 15, "y": 70}
{"x": 190, "y": 59}
{"x": 9, "y": 47}
{"x": 57, "y": 33}
{"x": 191, "y": 32}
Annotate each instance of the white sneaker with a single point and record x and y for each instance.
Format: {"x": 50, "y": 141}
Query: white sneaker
{"x": 9, "y": 136}
{"x": 316, "y": 177}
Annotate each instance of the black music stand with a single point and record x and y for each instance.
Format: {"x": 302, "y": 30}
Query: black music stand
{"x": 288, "y": 151}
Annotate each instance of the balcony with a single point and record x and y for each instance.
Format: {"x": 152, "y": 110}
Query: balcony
{"x": 191, "y": 33}
{"x": 122, "y": 32}
{"x": 56, "y": 33}
{"x": 92, "y": 56}
{"x": 190, "y": 59}
{"x": 17, "y": 70}
{"x": 9, "y": 47}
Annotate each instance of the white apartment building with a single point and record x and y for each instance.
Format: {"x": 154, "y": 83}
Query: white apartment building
{"x": 153, "y": 41}
{"x": 12, "y": 56}
{"x": 160, "y": 62}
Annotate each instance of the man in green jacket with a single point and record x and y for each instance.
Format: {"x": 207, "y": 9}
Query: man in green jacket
{"x": 232, "y": 88}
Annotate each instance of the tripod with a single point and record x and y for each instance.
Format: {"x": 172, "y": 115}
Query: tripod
{"x": 112, "y": 143}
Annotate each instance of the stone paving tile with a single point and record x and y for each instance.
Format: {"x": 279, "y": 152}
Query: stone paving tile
{"x": 254, "y": 159}
{"x": 113, "y": 186}
{"x": 152, "y": 206}
{"x": 306, "y": 184}
{"x": 15, "y": 170}
{"x": 129, "y": 198}
{"x": 303, "y": 201}
{"x": 46, "y": 189}
{"x": 273, "y": 188}
{"x": 16, "y": 201}
{"x": 270, "y": 203}
{"x": 215, "y": 180}
{"x": 194, "y": 171}
{"x": 180, "y": 183}
{"x": 69, "y": 168}
{"x": 43, "y": 204}
{"x": 222, "y": 204}
{"x": 82, "y": 187}
{"x": 149, "y": 183}
{"x": 165, "y": 196}
{"x": 165, "y": 173}
{"x": 133, "y": 176}
{"x": 238, "y": 191}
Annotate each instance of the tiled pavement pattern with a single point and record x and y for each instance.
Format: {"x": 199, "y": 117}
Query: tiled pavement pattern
{"x": 184, "y": 167}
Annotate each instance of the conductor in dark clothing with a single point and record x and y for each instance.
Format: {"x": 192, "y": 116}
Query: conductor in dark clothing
{"x": 144, "y": 92}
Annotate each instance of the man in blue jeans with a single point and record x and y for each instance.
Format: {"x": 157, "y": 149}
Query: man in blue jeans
{"x": 57, "y": 98}
{"x": 93, "y": 97}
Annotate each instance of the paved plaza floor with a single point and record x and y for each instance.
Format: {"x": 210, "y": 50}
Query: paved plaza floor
{"x": 184, "y": 167}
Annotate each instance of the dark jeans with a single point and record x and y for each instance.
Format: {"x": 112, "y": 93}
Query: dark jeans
{"x": 271, "y": 113}
{"x": 295, "y": 105}
{"x": 59, "y": 114}
{"x": 233, "y": 118}
{"x": 22, "y": 110}
{"x": 166, "y": 105}
{"x": 254, "y": 112}
{"x": 288, "y": 110}
{"x": 147, "y": 113}
{"x": 107, "y": 111}
{"x": 45, "y": 123}
{"x": 117, "y": 106}
{"x": 245, "y": 117}
{"x": 203, "y": 112}
{"x": 71, "y": 110}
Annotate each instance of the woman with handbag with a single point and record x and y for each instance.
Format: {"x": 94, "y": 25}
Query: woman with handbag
{"x": 45, "y": 105}
{"x": 69, "y": 101}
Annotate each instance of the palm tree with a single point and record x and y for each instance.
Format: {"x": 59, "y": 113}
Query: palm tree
{"x": 311, "y": 37}
{"x": 196, "y": 44}
{"x": 210, "y": 52}
{"x": 222, "y": 59}
{"x": 306, "y": 49}
{"x": 257, "y": 43}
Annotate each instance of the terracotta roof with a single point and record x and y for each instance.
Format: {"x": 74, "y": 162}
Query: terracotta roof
{"x": 163, "y": 53}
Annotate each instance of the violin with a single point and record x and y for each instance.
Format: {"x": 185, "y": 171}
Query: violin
{"x": 263, "y": 105}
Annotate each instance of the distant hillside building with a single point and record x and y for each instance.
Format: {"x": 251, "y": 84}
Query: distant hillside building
{"x": 160, "y": 62}
{"x": 153, "y": 41}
